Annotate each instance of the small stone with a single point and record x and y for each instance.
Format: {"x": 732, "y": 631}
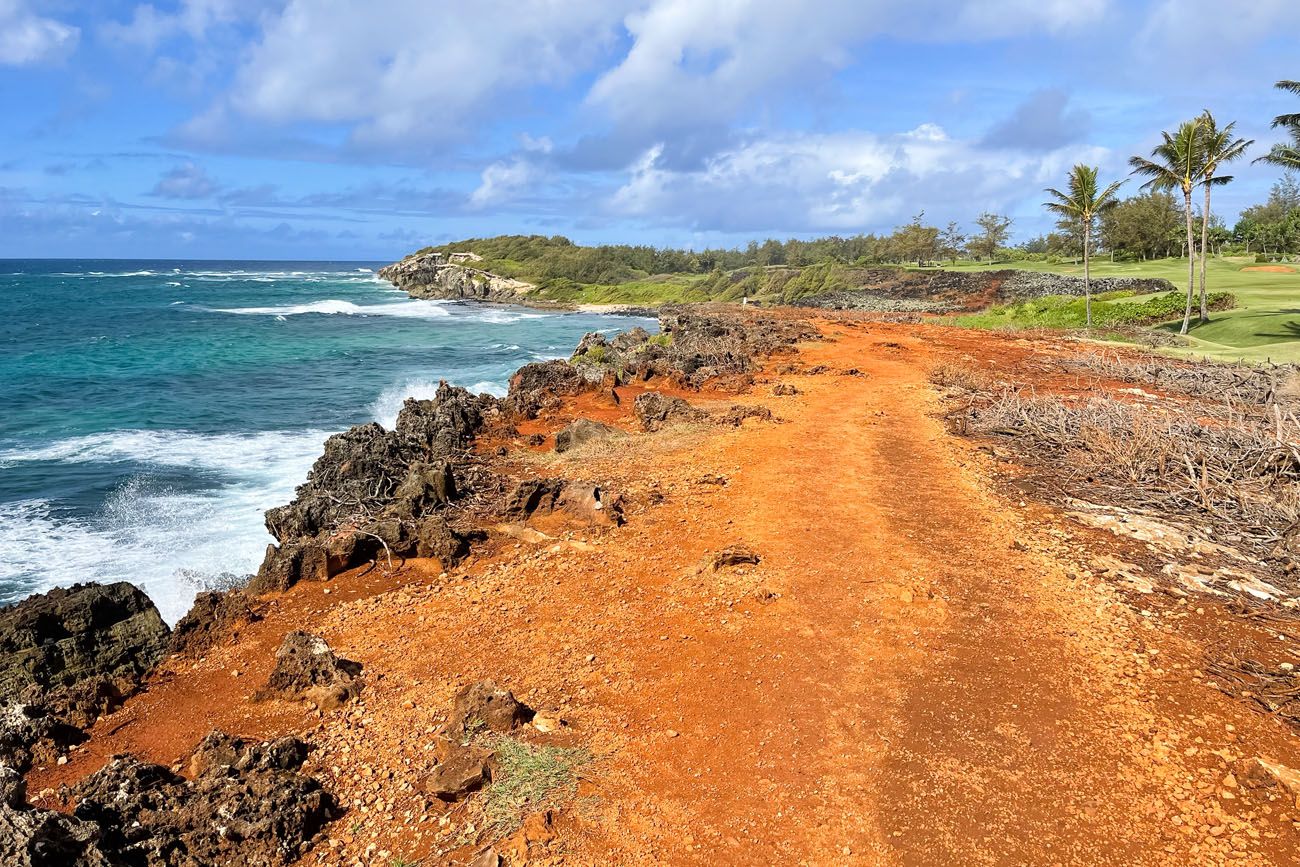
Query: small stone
{"x": 671, "y": 733}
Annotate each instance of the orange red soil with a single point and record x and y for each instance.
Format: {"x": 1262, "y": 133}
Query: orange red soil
{"x": 923, "y": 669}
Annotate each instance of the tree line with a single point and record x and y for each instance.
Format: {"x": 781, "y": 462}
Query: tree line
{"x": 1188, "y": 160}
{"x": 1170, "y": 216}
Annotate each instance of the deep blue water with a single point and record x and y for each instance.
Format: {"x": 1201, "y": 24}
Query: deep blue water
{"x": 151, "y": 411}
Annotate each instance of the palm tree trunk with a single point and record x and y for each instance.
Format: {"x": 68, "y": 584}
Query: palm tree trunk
{"x": 1087, "y": 286}
{"x": 1205, "y": 235}
{"x": 1191, "y": 262}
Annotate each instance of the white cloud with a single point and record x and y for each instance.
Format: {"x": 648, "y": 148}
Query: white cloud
{"x": 27, "y": 38}
{"x": 392, "y": 69}
{"x": 193, "y": 18}
{"x": 850, "y": 181}
{"x": 186, "y": 181}
{"x": 502, "y": 181}
{"x": 1185, "y": 25}
{"x": 697, "y": 61}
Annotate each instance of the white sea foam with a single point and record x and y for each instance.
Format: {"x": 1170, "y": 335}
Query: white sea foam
{"x": 171, "y": 543}
{"x": 389, "y": 403}
{"x": 331, "y": 307}
{"x": 233, "y": 454}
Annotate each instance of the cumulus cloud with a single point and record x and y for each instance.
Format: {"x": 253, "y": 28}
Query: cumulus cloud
{"x": 187, "y": 181}
{"x": 391, "y": 72}
{"x": 27, "y": 38}
{"x": 849, "y": 181}
{"x": 708, "y": 62}
{"x": 392, "y": 69}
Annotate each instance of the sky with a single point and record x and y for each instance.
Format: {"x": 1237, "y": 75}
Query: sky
{"x": 338, "y": 129}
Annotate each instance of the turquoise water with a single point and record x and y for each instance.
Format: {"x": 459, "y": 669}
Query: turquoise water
{"x": 153, "y": 410}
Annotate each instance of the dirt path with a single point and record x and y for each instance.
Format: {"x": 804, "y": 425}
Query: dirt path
{"x": 918, "y": 671}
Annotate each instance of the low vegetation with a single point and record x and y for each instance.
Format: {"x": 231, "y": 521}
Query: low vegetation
{"x": 1111, "y": 310}
{"x": 528, "y": 779}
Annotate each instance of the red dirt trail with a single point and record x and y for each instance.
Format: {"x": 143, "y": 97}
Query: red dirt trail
{"x": 921, "y": 670}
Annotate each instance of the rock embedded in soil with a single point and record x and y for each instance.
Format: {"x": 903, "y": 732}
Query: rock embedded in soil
{"x": 464, "y": 769}
{"x": 735, "y": 555}
{"x": 306, "y": 668}
{"x": 583, "y": 502}
{"x": 735, "y": 415}
{"x": 485, "y": 705}
{"x": 583, "y": 431}
{"x": 654, "y": 410}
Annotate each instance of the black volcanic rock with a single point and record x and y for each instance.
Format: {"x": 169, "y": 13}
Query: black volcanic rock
{"x": 249, "y": 804}
{"x": 67, "y": 657}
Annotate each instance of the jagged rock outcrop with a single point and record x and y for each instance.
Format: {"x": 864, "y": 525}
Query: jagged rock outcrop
{"x": 32, "y": 837}
{"x": 431, "y": 275}
{"x": 714, "y": 344}
{"x": 249, "y": 804}
{"x": 214, "y": 616}
{"x": 542, "y": 385}
{"x": 654, "y": 410}
{"x": 373, "y": 492}
{"x": 67, "y": 657}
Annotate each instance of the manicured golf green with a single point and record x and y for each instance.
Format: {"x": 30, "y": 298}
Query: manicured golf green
{"x": 1265, "y": 325}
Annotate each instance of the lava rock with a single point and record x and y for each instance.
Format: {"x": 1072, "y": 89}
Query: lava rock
{"x": 654, "y": 410}
{"x": 31, "y": 837}
{"x": 66, "y": 658}
{"x": 306, "y": 668}
{"x": 735, "y": 555}
{"x": 485, "y": 705}
{"x": 258, "y": 810}
{"x": 464, "y": 769}
{"x": 737, "y": 413}
{"x": 583, "y": 431}
{"x": 214, "y": 616}
{"x": 435, "y": 538}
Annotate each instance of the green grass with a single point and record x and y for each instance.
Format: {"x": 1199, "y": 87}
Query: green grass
{"x": 1111, "y": 310}
{"x": 528, "y": 779}
{"x": 1265, "y": 325}
{"x": 651, "y": 291}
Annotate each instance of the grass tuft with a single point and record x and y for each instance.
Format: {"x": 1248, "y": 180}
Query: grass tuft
{"x": 528, "y": 779}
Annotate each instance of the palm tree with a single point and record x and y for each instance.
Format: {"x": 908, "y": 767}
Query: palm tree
{"x": 1177, "y": 164}
{"x": 1083, "y": 204}
{"x": 1220, "y": 148}
{"x": 1286, "y": 155}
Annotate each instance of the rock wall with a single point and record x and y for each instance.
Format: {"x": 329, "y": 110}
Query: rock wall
{"x": 900, "y": 290}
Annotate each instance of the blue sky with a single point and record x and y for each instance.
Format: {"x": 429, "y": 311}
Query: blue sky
{"x": 343, "y": 129}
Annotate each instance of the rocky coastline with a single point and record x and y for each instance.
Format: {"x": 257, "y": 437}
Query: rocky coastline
{"x": 431, "y": 488}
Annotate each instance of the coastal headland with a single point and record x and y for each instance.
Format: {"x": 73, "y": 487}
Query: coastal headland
{"x": 791, "y": 585}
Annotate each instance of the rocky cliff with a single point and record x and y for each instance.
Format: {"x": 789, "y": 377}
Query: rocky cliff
{"x": 431, "y": 275}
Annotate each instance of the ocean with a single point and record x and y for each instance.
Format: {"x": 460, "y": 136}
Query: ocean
{"x": 153, "y": 410}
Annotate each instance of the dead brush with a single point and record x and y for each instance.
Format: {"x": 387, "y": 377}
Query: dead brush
{"x": 1253, "y": 385}
{"x": 948, "y": 374}
{"x": 1239, "y": 468}
{"x": 1274, "y": 691}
